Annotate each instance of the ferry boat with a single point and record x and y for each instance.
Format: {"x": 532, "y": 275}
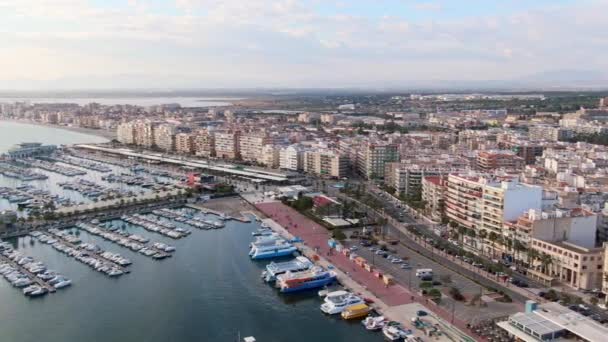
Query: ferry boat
{"x": 313, "y": 278}
{"x": 274, "y": 269}
{"x": 277, "y": 249}
{"x": 337, "y": 301}
{"x": 356, "y": 311}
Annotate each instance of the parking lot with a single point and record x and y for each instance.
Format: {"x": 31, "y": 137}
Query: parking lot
{"x": 441, "y": 274}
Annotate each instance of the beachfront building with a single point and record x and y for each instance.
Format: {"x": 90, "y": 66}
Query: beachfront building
{"x": 184, "y": 143}
{"x": 144, "y": 133}
{"x": 325, "y": 163}
{"x": 251, "y": 144}
{"x": 164, "y": 137}
{"x": 291, "y": 158}
{"x": 204, "y": 143}
{"x": 227, "y": 145}
{"x": 482, "y": 203}
{"x": 373, "y": 157}
{"x": 125, "y": 133}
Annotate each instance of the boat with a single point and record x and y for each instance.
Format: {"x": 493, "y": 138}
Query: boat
{"x": 336, "y": 302}
{"x": 356, "y": 311}
{"x": 63, "y": 284}
{"x": 40, "y": 291}
{"x": 374, "y": 323}
{"x": 313, "y": 278}
{"x": 273, "y": 269}
{"x": 278, "y": 249}
{"x": 393, "y": 331}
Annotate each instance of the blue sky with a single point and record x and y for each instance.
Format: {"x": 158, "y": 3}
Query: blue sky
{"x": 311, "y": 43}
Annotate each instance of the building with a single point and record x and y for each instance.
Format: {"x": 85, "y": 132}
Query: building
{"x": 28, "y": 150}
{"x": 325, "y": 163}
{"x": 499, "y": 159}
{"x": 270, "y": 156}
{"x": 433, "y": 194}
{"x": 251, "y": 144}
{"x": 164, "y": 137}
{"x": 144, "y": 133}
{"x": 204, "y": 143}
{"x": 291, "y": 158}
{"x": 125, "y": 133}
{"x": 227, "y": 145}
{"x": 567, "y": 263}
{"x": 373, "y": 157}
{"x": 184, "y": 143}
{"x": 552, "y": 322}
{"x": 483, "y": 203}
{"x": 406, "y": 176}
{"x": 550, "y": 133}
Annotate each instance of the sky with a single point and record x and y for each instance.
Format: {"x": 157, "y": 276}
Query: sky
{"x": 168, "y": 44}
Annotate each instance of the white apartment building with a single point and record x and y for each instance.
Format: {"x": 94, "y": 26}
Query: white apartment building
{"x": 164, "y": 137}
{"x": 291, "y": 158}
{"x": 125, "y": 133}
{"x": 144, "y": 133}
{"x": 486, "y": 202}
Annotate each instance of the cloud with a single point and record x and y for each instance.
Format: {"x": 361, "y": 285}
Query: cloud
{"x": 289, "y": 42}
{"x": 428, "y": 6}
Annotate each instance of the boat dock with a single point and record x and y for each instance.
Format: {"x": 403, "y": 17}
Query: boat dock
{"x": 206, "y": 210}
{"x": 31, "y": 275}
{"x": 92, "y": 254}
{"x": 124, "y": 241}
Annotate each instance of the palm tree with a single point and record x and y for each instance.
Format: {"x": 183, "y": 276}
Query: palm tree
{"x": 493, "y": 237}
{"x": 545, "y": 260}
{"x": 532, "y": 255}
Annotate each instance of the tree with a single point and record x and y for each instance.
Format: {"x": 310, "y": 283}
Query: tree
{"x": 545, "y": 261}
{"x": 532, "y": 255}
{"x": 493, "y": 237}
{"x": 338, "y": 234}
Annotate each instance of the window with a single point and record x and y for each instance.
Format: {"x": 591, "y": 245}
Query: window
{"x": 584, "y": 267}
{"x": 584, "y": 258}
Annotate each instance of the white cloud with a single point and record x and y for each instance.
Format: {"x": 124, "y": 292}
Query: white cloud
{"x": 270, "y": 41}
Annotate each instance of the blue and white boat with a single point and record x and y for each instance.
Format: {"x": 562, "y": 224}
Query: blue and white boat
{"x": 314, "y": 278}
{"x": 276, "y": 249}
{"x": 275, "y": 269}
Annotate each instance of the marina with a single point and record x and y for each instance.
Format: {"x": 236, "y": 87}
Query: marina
{"x": 87, "y": 253}
{"x": 24, "y": 272}
{"x": 136, "y": 243}
{"x": 52, "y": 167}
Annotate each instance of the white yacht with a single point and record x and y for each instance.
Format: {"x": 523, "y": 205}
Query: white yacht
{"x": 393, "y": 332}
{"x": 335, "y": 302}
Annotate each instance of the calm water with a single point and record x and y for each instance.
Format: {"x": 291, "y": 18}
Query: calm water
{"x": 135, "y": 101}
{"x": 12, "y": 133}
{"x": 208, "y": 291}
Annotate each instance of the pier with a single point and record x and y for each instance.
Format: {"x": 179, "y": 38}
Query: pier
{"x": 94, "y": 255}
{"x": 31, "y": 275}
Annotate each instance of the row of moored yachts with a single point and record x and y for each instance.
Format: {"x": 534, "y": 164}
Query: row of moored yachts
{"x": 22, "y": 270}
{"x": 134, "y": 242}
{"x": 86, "y": 253}
{"x": 156, "y": 226}
{"x": 190, "y": 219}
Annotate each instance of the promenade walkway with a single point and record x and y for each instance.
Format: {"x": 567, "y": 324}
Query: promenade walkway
{"x": 316, "y": 237}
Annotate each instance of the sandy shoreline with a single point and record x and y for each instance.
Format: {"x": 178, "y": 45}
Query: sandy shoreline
{"x": 96, "y": 132}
